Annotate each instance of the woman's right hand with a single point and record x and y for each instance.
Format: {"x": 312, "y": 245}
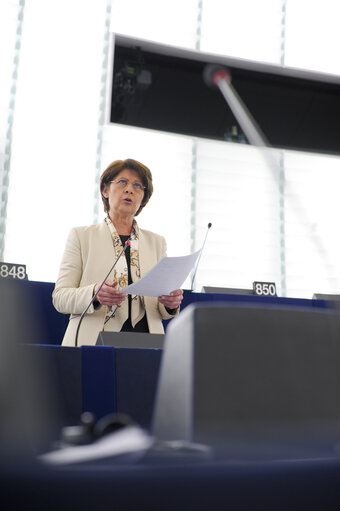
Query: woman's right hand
{"x": 109, "y": 295}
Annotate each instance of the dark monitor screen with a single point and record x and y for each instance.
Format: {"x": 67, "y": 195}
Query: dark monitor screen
{"x": 152, "y": 88}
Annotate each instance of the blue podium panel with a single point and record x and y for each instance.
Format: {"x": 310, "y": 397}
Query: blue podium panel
{"x": 49, "y": 325}
{"x": 39, "y": 322}
{"x": 120, "y": 380}
{"x": 136, "y": 382}
{"x": 98, "y": 380}
{"x": 192, "y": 297}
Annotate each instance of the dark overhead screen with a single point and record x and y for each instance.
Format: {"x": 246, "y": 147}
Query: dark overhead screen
{"x": 167, "y": 92}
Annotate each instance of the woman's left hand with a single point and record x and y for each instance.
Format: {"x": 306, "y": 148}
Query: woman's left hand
{"x": 173, "y": 300}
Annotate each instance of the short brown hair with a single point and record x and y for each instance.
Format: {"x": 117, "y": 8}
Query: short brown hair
{"x": 115, "y": 168}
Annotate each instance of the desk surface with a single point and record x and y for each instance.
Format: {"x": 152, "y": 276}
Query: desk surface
{"x": 182, "y": 485}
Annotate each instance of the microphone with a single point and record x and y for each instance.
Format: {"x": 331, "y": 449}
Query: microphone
{"x": 199, "y": 257}
{"x": 218, "y": 76}
{"x": 213, "y": 73}
{"x": 126, "y": 245}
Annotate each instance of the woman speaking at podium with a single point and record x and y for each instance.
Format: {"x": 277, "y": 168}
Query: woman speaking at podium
{"x": 126, "y": 187}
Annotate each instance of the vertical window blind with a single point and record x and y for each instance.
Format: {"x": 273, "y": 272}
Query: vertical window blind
{"x": 229, "y": 26}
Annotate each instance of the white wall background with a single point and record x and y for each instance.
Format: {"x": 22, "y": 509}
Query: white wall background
{"x": 57, "y": 140}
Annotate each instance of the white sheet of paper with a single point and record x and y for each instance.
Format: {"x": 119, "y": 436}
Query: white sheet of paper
{"x": 131, "y": 439}
{"x": 166, "y": 276}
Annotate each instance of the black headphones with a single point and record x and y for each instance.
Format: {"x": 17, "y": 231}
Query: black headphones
{"x": 89, "y": 430}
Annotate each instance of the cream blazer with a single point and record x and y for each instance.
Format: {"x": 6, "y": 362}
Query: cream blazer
{"x": 87, "y": 259}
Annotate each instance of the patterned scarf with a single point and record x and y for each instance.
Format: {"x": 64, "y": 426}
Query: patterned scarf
{"x": 120, "y": 275}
